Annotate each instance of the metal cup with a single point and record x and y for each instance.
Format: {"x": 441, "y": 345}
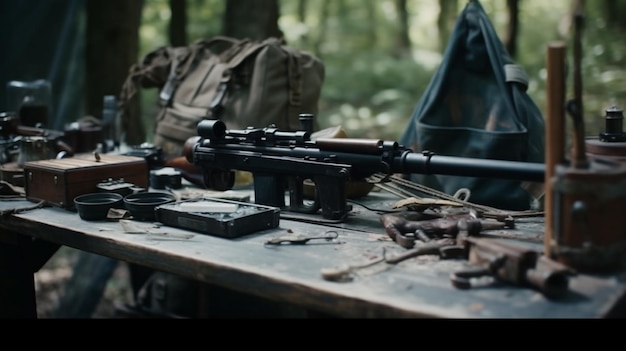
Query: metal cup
{"x": 34, "y": 148}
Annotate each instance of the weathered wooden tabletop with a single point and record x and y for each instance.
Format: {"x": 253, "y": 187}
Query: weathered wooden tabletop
{"x": 417, "y": 287}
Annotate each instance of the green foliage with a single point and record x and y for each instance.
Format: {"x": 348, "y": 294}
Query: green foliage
{"x": 153, "y": 32}
{"x": 604, "y": 77}
{"x": 204, "y": 21}
{"x": 204, "y": 18}
{"x": 371, "y": 95}
{"x": 371, "y": 92}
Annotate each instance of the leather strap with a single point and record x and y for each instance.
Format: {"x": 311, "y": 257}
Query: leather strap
{"x": 516, "y": 74}
{"x": 177, "y": 74}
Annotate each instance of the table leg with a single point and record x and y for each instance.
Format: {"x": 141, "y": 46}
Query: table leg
{"x": 17, "y": 280}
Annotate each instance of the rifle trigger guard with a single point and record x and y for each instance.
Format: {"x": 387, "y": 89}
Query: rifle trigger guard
{"x": 296, "y": 197}
{"x": 302, "y": 207}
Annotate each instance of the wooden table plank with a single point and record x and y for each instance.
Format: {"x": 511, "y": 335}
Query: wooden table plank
{"x": 418, "y": 287}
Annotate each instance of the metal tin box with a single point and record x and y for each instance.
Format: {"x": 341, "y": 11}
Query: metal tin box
{"x": 246, "y": 219}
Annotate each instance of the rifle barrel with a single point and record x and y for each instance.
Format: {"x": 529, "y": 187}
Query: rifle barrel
{"x": 364, "y": 156}
{"x": 473, "y": 167}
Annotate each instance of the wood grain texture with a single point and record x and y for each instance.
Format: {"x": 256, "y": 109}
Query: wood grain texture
{"x": 415, "y": 288}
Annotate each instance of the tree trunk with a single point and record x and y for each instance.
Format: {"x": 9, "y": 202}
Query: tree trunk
{"x": 257, "y": 22}
{"x": 567, "y": 23}
{"x": 302, "y": 12}
{"x": 112, "y": 48}
{"x": 403, "y": 47}
{"x": 510, "y": 41}
{"x": 614, "y": 11}
{"x": 371, "y": 18}
{"x": 178, "y": 23}
{"x": 322, "y": 28}
{"x": 448, "y": 12}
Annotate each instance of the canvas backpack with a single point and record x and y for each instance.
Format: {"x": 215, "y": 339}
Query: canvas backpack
{"x": 243, "y": 82}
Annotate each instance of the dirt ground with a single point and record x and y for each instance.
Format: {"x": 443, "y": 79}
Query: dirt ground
{"x": 51, "y": 280}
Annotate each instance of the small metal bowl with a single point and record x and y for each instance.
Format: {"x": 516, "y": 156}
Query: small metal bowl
{"x": 142, "y": 205}
{"x": 95, "y": 206}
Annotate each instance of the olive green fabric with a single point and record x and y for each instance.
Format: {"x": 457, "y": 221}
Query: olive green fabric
{"x": 242, "y": 82}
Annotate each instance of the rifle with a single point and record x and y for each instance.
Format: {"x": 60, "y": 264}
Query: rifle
{"x": 281, "y": 160}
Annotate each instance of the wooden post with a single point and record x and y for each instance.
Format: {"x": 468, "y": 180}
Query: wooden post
{"x": 555, "y": 132}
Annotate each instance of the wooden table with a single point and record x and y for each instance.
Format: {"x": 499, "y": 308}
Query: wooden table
{"x": 418, "y": 287}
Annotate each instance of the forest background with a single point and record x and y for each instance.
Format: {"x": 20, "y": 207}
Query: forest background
{"x": 379, "y": 55}
{"x": 377, "y": 64}
{"x": 374, "y": 80}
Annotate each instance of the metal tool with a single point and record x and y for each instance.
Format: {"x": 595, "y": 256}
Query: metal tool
{"x": 405, "y": 231}
{"x": 300, "y": 239}
{"x": 515, "y": 264}
{"x": 434, "y": 247}
{"x": 346, "y": 272}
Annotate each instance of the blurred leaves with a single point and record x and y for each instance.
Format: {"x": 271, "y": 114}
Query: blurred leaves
{"x": 371, "y": 91}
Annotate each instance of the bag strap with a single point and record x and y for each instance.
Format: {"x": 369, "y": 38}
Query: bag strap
{"x": 143, "y": 74}
{"x": 294, "y": 71}
{"x": 182, "y": 62}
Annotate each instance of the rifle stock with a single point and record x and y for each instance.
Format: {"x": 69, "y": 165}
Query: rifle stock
{"x": 282, "y": 160}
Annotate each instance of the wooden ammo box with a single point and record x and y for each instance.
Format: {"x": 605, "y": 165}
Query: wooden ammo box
{"x": 59, "y": 181}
